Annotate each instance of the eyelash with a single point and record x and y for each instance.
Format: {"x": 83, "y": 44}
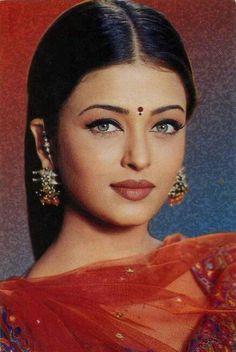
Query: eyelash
{"x": 174, "y": 123}
{"x": 91, "y": 126}
{"x": 96, "y": 123}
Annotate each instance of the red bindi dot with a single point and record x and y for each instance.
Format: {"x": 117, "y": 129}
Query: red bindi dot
{"x": 140, "y": 110}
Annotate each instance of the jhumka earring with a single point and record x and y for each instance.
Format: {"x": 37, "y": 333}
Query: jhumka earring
{"x": 178, "y": 190}
{"x": 47, "y": 192}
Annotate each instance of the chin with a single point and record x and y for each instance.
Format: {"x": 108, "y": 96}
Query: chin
{"x": 128, "y": 222}
{"x": 117, "y": 213}
{"x": 127, "y": 217}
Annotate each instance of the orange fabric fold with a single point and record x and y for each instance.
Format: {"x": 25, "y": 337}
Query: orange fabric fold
{"x": 145, "y": 303}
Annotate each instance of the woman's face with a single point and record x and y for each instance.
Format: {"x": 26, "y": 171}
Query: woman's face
{"x": 104, "y": 139}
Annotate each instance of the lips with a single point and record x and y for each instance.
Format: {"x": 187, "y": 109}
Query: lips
{"x": 132, "y": 189}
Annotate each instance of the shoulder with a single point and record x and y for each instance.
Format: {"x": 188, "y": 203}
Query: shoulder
{"x": 218, "y": 252}
{"x": 195, "y": 249}
{"x": 202, "y": 245}
{"x": 211, "y": 258}
{"x": 217, "y": 237}
{"x": 222, "y": 238}
{"x": 216, "y": 275}
{"x": 217, "y": 269}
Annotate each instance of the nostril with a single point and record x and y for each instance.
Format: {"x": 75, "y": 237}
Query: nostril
{"x": 133, "y": 166}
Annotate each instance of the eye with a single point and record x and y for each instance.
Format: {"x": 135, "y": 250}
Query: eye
{"x": 104, "y": 126}
{"x": 167, "y": 126}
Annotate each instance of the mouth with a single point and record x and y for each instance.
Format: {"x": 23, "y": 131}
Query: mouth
{"x": 132, "y": 189}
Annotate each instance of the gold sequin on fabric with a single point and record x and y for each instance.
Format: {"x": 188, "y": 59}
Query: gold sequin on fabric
{"x": 119, "y": 315}
{"x": 130, "y": 270}
{"x": 178, "y": 299}
{"x": 120, "y": 336}
{"x": 12, "y": 318}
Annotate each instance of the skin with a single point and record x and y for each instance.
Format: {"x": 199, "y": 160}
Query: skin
{"x": 99, "y": 224}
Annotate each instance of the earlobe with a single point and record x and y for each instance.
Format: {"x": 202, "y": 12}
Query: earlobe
{"x": 38, "y": 130}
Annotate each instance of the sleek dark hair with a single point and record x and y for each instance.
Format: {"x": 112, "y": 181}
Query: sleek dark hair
{"x": 90, "y": 36}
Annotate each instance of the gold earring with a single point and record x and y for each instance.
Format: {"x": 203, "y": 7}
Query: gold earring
{"x": 48, "y": 191}
{"x": 178, "y": 190}
{"x": 46, "y": 144}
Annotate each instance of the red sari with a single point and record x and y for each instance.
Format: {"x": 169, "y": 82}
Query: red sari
{"x": 180, "y": 297}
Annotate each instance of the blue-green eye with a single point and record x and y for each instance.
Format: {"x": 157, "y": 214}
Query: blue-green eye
{"x": 104, "y": 126}
{"x": 167, "y": 126}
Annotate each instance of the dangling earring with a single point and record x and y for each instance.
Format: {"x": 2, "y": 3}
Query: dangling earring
{"x": 178, "y": 190}
{"x": 46, "y": 144}
{"x": 48, "y": 192}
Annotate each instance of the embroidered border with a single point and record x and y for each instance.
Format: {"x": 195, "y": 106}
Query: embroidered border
{"x": 11, "y": 339}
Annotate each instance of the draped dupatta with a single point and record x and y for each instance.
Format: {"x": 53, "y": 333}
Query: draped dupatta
{"x": 179, "y": 297}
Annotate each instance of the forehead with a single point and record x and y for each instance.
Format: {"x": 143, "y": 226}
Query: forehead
{"x": 130, "y": 85}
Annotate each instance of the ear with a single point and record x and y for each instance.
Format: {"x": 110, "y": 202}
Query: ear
{"x": 37, "y": 128}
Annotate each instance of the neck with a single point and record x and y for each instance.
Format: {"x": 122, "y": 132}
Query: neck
{"x": 84, "y": 240}
{"x": 82, "y": 232}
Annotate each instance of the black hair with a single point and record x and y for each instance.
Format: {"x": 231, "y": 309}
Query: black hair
{"x": 87, "y": 37}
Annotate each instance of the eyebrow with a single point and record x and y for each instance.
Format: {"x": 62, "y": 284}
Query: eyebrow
{"x": 124, "y": 111}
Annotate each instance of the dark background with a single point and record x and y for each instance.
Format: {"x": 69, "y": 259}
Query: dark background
{"x": 208, "y": 30}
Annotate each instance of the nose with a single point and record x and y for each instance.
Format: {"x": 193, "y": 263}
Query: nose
{"x": 136, "y": 152}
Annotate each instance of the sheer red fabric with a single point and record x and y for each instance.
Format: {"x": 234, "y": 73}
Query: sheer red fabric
{"x": 180, "y": 297}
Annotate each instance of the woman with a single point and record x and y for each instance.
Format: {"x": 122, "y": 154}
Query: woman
{"x": 110, "y": 94}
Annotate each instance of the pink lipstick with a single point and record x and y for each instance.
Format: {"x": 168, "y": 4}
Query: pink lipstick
{"x": 132, "y": 189}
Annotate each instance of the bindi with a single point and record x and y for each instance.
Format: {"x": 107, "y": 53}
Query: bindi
{"x": 140, "y": 111}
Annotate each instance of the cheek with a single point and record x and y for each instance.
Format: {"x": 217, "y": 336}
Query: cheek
{"x": 85, "y": 159}
{"x": 168, "y": 161}
{"x": 169, "y": 152}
